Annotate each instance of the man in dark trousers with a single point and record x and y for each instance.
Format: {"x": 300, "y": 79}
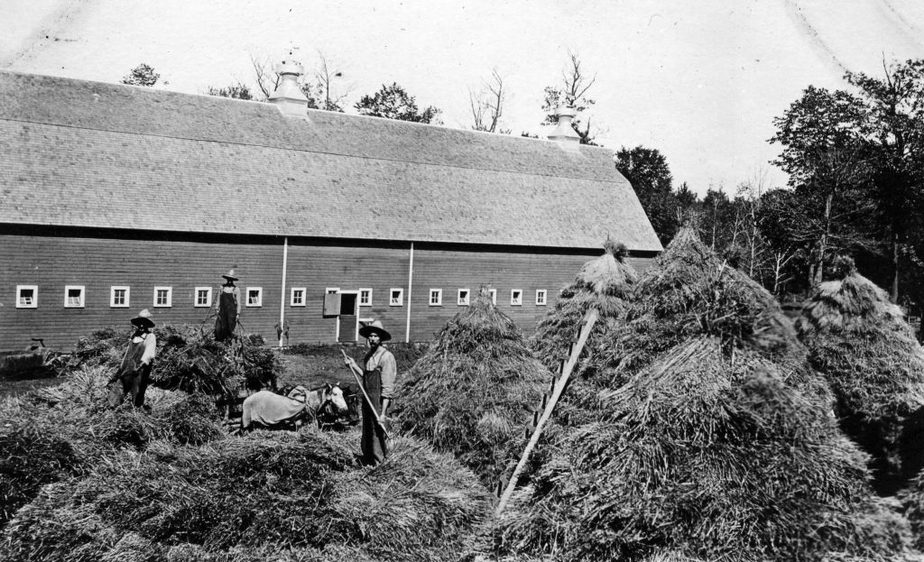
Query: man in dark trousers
{"x": 378, "y": 374}
{"x": 135, "y": 371}
{"x": 229, "y": 307}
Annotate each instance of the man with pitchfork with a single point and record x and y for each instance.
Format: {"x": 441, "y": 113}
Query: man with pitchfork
{"x": 378, "y": 385}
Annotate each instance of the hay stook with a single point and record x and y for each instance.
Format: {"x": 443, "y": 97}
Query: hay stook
{"x": 475, "y": 390}
{"x": 859, "y": 340}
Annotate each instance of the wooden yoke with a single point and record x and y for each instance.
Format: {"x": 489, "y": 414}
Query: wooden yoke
{"x": 590, "y": 318}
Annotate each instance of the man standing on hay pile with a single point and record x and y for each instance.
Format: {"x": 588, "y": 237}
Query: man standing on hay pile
{"x": 229, "y": 307}
{"x": 379, "y": 385}
{"x": 135, "y": 370}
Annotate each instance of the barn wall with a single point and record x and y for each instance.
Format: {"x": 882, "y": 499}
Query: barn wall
{"x": 99, "y": 260}
{"x": 51, "y": 262}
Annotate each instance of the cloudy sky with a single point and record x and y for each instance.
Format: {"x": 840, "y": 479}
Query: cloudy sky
{"x": 700, "y": 81}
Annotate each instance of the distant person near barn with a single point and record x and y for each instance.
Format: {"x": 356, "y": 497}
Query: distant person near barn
{"x": 134, "y": 373}
{"x": 379, "y": 373}
{"x": 229, "y": 308}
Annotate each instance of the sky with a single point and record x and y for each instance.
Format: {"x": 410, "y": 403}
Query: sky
{"x": 699, "y": 81}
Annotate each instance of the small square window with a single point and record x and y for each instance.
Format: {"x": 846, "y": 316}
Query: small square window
{"x": 540, "y": 297}
{"x": 203, "y": 297}
{"x": 119, "y": 296}
{"x": 254, "y": 296}
{"x": 396, "y": 297}
{"x": 163, "y": 296}
{"x": 463, "y": 297}
{"x": 436, "y": 297}
{"x": 493, "y": 293}
{"x": 516, "y": 297}
{"x": 26, "y": 296}
{"x": 298, "y": 296}
{"x": 73, "y": 296}
{"x": 365, "y": 297}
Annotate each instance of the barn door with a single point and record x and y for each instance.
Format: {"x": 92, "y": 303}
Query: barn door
{"x": 348, "y": 316}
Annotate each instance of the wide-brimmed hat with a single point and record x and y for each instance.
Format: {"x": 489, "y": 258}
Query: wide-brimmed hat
{"x": 375, "y": 328}
{"x": 143, "y": 319}
{"x": 230, "y": 275}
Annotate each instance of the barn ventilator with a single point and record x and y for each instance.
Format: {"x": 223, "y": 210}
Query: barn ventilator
{"x": 557, "y": 387}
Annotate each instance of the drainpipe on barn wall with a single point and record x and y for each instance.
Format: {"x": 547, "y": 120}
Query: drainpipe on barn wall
{"x": 410, "y": 284}
{"x": 282, "y": 300}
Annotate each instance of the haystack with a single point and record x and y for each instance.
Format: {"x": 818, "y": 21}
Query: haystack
{"x": 266, "y": 496}
{"x": 604, "y": 283}
{"x": 710, "y": 459}
{"x": 474, "y": 392}
{"x": 715, "y": 439}
{"x": 862, "y": 344}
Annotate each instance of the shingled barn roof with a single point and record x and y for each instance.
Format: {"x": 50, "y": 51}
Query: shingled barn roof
{"x": 78, "y": 153}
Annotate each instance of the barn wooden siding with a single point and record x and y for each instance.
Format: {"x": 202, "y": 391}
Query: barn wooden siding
{"x": 98, "y": 259}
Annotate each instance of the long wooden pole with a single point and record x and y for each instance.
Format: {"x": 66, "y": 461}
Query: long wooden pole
{"x": 590, "y": 318}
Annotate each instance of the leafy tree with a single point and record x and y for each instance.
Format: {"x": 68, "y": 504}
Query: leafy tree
{"x": 571, "y": 92}
{"x": 822, "y": 135}
{"x": 141, "y": 75}
{"x": 893, "y": 108}
{"x": 393, "y": 102}
{"x": 235, "y": 91}
{"x": 648, "y": 172}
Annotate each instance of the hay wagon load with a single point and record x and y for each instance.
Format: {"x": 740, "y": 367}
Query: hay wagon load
{"x": 715, "y": 440}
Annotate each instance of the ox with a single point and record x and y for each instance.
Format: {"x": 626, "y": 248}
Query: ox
{"x": 268, "y": 409}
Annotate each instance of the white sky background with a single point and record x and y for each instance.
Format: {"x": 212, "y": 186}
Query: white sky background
{"x": 700, "y": 81}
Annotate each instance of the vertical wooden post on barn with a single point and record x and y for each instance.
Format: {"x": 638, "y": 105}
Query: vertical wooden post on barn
{"x": 590, "y": 318}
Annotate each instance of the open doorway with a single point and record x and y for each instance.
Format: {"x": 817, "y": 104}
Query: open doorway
{"x": 348, "y": 319}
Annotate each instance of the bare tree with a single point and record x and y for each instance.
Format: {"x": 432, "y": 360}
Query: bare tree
{"x": 266, "y": 77}
{"x": 488, "y": 105}
{"x": 324, "y": 77}
{"x": 572, "y": 92}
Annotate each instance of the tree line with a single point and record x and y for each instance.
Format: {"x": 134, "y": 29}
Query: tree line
{"x": 854, "y": 156}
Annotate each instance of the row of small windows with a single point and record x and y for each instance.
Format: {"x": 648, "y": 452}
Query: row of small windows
{"x": 463, "y": 297}
{"x": 396, "y": 297}
{"x": 119, "y": 296}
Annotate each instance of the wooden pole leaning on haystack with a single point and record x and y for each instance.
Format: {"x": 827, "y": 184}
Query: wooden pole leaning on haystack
{"x": 590, "y": 318}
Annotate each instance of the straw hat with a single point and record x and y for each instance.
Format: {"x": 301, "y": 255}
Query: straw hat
{"x": 143, "y": 319}
{"x": 375, "y": 328}
{"x": 230, "y": 275}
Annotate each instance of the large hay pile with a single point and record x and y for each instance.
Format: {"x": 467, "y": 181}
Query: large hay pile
{"x": 267, "y": 496}
{"x": 867, "y": 351}
{"x": 188, "y": 359}
{"x": 709, "y": 459}
{"x": 714, "y": 442}
{"x": 475, "y": 390}
{"x": 61, "y": 431}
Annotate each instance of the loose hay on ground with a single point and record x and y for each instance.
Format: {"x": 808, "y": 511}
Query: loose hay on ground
{"x": 276, "y": 495}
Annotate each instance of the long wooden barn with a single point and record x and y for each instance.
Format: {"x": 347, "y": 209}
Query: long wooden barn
{"x": 115, "y": 198}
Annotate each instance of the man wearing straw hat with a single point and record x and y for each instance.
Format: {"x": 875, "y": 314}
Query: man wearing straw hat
{"x": 379, "y": 386}
{"x": 135, "y": 371}
{"x": 229, "y": 307}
